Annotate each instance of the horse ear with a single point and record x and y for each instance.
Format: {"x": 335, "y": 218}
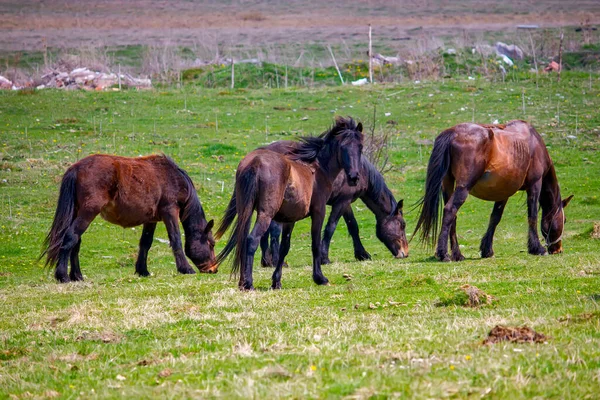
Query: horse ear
{"x": 359, "y": 127}
{"x": 209, "y": 226}
{"x": 398, "y": 210}
{"x": 566, "y": 201}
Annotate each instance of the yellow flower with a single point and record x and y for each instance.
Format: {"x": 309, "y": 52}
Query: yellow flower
{"x": 467, "y": 357}
{"x": 452, "y": 367}
{"x": 313, "y": 367}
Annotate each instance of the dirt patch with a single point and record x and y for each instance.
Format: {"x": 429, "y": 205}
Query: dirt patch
{"x": 523, "y": 334}
{"x": 596, "y": 231}
{"x": 580, "y": 317}
{"x": 476, "y": 296}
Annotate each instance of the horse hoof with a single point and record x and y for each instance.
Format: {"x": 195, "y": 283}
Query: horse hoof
{"x": 247, "y": 289}
{"x": 325, "y": 261}
{"x": 63, "y": 279}
{"x": 276, "y": 286}
{"x": 143, "y": 273}
{"x": 362, "y": 256}
{"x": 458, "y": 257}
{"x": 488, "y": 254}
{"x": 322, "y": 281}
{"x": 187, "y": 271}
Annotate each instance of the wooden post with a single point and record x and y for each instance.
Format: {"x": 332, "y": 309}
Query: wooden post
{"x": 232, "y": 74}
{"x": 336, "y": 66}
{"x": 370, "y": 57}
{"x": 562, "y": 36}
{"x": 119, "y": 76}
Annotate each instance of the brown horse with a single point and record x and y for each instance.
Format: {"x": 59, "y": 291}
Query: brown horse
{"x": 491, "y": 162}
{"x": 287, "y": 189}
{"x": 372, "y": 190}
{"x": 129, "y": 192}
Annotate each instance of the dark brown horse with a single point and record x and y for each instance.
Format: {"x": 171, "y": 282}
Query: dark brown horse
{"x": 129, "y": 192}
{"x": 372, "y": 190}
{"x": 491, "y": 162}
{"x": 287, "y": 189}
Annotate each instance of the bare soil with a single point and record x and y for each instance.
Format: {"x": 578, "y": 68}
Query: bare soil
{"x": 523, "y": 334}
{"x": 31, "y": 24}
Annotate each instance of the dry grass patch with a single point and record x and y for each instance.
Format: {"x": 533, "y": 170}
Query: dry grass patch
{"x": 596, "y": 231}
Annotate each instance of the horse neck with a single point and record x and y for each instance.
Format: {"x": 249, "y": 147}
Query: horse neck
{"x": 195, "y": 219}
{"x": 381, "y": 204}
{"x": 550, "y": 199}
{"x": 328, "y": 160}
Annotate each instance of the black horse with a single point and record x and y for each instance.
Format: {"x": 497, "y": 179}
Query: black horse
{"x": 372, "y": 190}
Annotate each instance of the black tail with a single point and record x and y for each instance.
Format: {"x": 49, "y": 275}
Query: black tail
{"x": 63, "y": 217}
{"x": 246, "y": 188}
{"x": 228, "y": 217}
{"x": 437, "y": 168}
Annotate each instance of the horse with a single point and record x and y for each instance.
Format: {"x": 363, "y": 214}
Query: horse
{"x": 372, "y": 190}
{"x": 491, "y": 162}
{"x": 129, "y": 192}
{"x": 287, "y": 189}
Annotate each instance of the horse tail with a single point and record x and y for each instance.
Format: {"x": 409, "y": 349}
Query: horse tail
{"x": 228, "y": 217}
{"x": 63, "y": 217}
{"x": 247, "y": 189}
{"x": 437, "y": 168}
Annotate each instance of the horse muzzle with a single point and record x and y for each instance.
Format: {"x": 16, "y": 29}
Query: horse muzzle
{"x": 209, "y": 268}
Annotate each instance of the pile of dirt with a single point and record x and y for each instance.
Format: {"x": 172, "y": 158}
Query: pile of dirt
{"x": 477, "y": 297}
{"x": 596, "y": 231}
{"x": 523, "y": 334}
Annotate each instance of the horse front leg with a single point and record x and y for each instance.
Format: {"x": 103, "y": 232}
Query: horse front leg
{"x": 488, "y": 239}
{"x": 283, "y": 251}
{"x": 171, "y": 220}
{"x": 266, "y": 259}
{"x": 317, "y": 218}
{"x": 334, "y": 217}
{"x": 360, "y": 253}
{"x": 141, "y": 266}
{"x": 455, "y": 201}
{"x": 533, "y": 241}
{"x": 275, "y": 233}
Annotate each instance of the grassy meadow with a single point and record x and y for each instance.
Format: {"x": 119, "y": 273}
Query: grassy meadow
{"x": 382, "y": 334}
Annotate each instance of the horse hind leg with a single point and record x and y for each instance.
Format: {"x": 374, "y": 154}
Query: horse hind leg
{"x": 252, "y": 242}
{"x": 283, "y": 251}
{"x": 486, "y": 246}
{"x": 70, "y": 248}
{"x": 454, "y": 198}
{"x": 75, "y": 274}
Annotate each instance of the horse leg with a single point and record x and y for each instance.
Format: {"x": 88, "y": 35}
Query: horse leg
{"x": 141, "y": 266}
{"x": 283, "y": 251}
{"x": 261, "y": 226}
{"x": 275, "y": 229}
{"x": 334, "y": 217}
{"x": 455, "y": 201}
{"x": 533, "y": 242}
{"x": 70, "y": 242}
{"x": 266, "y": 259}
{"x": 316, "y": 225}
{"x": 171, "y": 220}
{"x": 359, "y": 251}
{"x": 487, "y": 240}
{"x": 447, "y": 191}
{"x": 75, "y": 273}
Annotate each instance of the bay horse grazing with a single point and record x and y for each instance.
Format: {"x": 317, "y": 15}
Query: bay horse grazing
{"x": 287, "y": 189}
{"x": 372, "y": 190}
{"x": 129, "y": 192}
{"x": 491, "y": 162}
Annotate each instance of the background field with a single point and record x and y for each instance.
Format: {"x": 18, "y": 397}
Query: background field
{"x": 382, "y": 334}
{"x": 197, "y": 336}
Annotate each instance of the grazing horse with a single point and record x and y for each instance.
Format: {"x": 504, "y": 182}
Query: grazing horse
{"x": 287, "y": 189}
{"x": 491, "y": 162}
{"x": 372, "y": 190}
{"x": 129, "y": 192}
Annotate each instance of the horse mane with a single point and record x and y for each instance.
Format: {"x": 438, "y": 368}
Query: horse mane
{"x": 377, "y": 186}
{"x": 191, "y": 204}
{"x": 311, "y": 146}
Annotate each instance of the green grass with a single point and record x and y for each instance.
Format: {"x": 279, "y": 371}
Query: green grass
{"x": 118, "y": 335}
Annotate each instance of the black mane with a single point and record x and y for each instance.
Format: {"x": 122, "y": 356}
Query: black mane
{"x": 191, "y": 204}
{"x": 311, "y": 146}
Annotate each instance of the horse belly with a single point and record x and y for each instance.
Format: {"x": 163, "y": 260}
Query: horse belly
{"x": 497, "y": 186}
{"x": 128, "y": 214}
